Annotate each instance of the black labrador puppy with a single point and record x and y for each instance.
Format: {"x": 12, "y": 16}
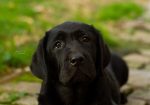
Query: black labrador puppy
{"x": 77, "y": 68}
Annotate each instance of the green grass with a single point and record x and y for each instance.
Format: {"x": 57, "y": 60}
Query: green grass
{"x": 120, "y": 10}
{"x": 10, "y": 97}
{"x": 107, "y": 36}
{"x": 12, "y": 14}
{"x": 21, "y": 17}
{"x": 18, "y": 57}
{"x": 13, "y": 56}
{"x": 27, "y": 77}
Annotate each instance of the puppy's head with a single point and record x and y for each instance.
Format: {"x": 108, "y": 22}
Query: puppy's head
{"x": 70, "y": 53}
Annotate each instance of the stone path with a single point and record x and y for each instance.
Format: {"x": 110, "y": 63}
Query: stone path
{"x": 22, "y": 93}
{"x": 139, "y": 82}
{"x": 25, "y": 93}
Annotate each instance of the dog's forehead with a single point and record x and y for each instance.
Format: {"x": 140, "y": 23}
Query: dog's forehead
{"x": 71, "y": 27}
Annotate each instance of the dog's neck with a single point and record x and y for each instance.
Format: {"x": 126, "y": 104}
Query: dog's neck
{"x": 78, "y": 95}
{"x": 83, "y": 95}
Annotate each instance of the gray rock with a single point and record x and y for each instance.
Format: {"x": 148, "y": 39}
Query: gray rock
{"x": 132, "y": 101}
{"x": 136, "y": 60}
{"x": 27, "y": 101}
{"x": 26, "y": 87}
{"x": 139, "y": 78}
{"x": 140, "y": 97}
{"x": 141, "y": 37}
{"x": 145, "y": 52}
{"x": 142, "y": 94}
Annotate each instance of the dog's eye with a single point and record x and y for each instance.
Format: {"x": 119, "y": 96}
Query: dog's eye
{"x": 59, "y": 44}
{"x": 84, "y": 38}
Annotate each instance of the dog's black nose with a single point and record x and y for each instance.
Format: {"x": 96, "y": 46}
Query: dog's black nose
{"x": 76, "y": 60}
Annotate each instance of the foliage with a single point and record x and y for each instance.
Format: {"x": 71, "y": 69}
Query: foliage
{"x": 120, "y": 10}
{"x": 11, "y": 97}
{"x": 28, "y": 77}
{"x": 111, "y": 41}
{"x": 28, "y": 18}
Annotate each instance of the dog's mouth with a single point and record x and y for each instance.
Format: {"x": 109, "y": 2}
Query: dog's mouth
{"x": 78, "y": 75}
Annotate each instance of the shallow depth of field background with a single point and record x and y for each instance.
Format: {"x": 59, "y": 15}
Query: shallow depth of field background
{"x": 125, "y": 26}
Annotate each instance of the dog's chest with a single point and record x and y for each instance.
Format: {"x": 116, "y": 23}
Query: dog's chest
{"x": 78, "y": 96}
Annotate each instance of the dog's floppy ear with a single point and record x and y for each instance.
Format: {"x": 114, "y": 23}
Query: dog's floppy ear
{"x": 38, "y": 64}
{"x": 103, "y": 54}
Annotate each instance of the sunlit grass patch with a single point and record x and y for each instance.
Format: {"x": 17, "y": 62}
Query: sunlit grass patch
{"x": 120, "y": 10}
{"x": 31, "y": 18}
{"x": 27, "y": 77}
{"x": 10, "y": 97}
{"x": 109, "y": 38}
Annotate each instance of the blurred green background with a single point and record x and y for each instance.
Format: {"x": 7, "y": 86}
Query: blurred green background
{"x": 125, "y": 25}
{"x": 24, "y": 22}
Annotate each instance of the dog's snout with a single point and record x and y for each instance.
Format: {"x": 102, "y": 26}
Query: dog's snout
{"x": 76, "y": 60}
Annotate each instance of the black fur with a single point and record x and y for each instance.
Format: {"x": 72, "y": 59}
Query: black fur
{"x": 77, "y": 68}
